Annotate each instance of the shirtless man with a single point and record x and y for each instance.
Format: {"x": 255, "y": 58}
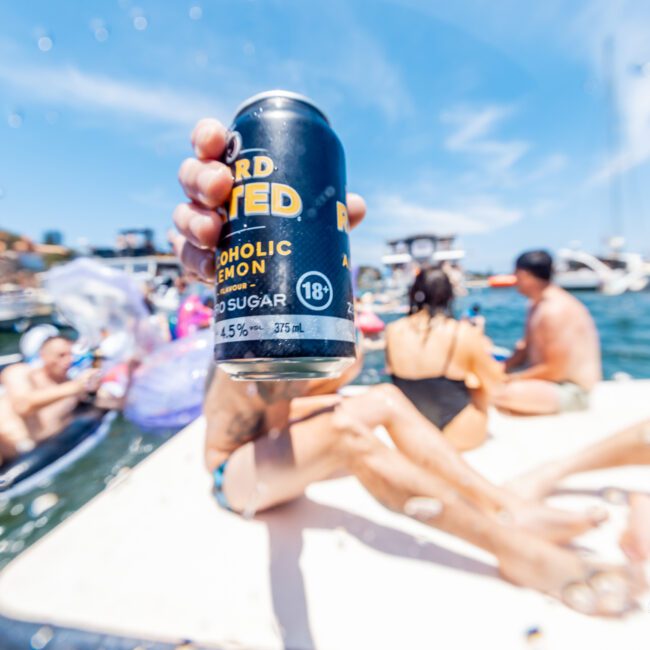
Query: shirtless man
{"x": 39, "y": 400}
{"x": 267, "y": 441}
{"x": 558, "y": 363}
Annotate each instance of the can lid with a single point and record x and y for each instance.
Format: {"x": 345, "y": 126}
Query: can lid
{"x": 283, "y": 94}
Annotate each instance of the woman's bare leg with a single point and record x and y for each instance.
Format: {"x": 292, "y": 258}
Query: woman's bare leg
{"x": 277, "y": 468}
{"x": 423, "y": 444}
{"x": 628, "y": 447}
{"x": 468, "y": 429}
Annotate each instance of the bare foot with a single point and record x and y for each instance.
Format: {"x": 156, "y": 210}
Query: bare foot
{"x": 536, "y": 484}
{"x": 552, "y": 524}
{"x": 635, "y": 540}
{"x": 586, "y": 588}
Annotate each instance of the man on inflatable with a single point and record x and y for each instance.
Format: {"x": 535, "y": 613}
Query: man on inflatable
{"x": 39, "y": 399}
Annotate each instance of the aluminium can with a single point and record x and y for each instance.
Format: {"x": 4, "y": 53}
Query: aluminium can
{"x": 284, "y": 307}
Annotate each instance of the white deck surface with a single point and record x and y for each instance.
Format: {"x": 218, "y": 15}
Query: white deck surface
{"x": 154, "y": 557}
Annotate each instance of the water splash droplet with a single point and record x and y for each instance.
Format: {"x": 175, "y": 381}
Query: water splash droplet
{"x": 614, "y": 496}
{"x": 26, "y": 529}
{"x": 41, "y": 638}
{"x": 140, "y": 23}
{"x": 43, "y": 503}
{"x": 201, "y": 59}
{"x": 45, "y": 43}
{"x": 17, "y": 510}
{"x": 15, "y": 120}
{"x": 17, "y": 546}
{"x": 101, "y": 33}
{"x": 254, "y": 502}
{"x": 196, "y": 13}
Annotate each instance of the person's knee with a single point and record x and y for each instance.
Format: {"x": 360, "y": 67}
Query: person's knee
{"x": 387, "y": 392}
{"x": 644, "y": 432}
{"x": 387, "y": 398}
{"x": 501, "y": 395}
{"x": 353, "y": 439}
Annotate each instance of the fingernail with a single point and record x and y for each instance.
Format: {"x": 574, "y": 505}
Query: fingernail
{"x": 206, "y": 181}
{"x": 423, "y": 508}
{"x": 197, "y": 224}
{"x": 205, "y": 137}
{"x": 206, "y": 268}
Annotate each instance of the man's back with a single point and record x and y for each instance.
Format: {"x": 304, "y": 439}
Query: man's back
{"x": 560, "y": 327}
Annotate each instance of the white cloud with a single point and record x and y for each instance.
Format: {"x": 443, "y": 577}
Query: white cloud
{"x": 626, "y": 26}
{"x": 549, "y": 166}
{"x": 391, "y": 215}
{"x": 473, "y": 216}
{"x": 72, "y": 87}
{"x": 156, "y": 198}
{"x": 474, "y": 135}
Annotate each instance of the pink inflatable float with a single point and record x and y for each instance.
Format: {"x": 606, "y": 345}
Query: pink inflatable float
{"x": 193, "y": 316}
{"x": 369, "y": 323}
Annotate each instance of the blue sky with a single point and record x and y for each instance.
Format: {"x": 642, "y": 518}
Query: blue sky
{"x": 488, "y": 119}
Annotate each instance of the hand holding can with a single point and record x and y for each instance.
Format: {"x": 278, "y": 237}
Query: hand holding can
{"x": 208, "y": 182}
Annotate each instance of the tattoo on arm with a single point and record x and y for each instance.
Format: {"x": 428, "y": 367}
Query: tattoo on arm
{"x": 245, "y": 427}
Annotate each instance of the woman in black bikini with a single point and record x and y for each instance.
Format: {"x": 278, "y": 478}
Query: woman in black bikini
{"x": 435, "y": 359}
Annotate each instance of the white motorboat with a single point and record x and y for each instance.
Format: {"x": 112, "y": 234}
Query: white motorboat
{"x": 406, "y": 255}
{"x": 614, "y": 273}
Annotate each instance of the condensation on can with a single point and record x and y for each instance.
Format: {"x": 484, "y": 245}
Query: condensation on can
{"x": 284, "y": 306}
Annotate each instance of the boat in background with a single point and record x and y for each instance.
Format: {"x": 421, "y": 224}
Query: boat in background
{"x": 20, "y": 307}
{"x": 408, "y": 254}
{"x": 613, "y": 273}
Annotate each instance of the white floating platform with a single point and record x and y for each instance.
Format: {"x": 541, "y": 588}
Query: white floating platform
{"x": 154, "y": 557}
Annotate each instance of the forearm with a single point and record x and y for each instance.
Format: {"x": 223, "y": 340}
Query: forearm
{"x": 517, "y": 359}
{"x": 539, "y": 371}
{"x": 26, "y": 404}
{"x": 234, "y": 415}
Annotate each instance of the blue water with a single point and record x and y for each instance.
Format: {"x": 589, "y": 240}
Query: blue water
{"x": 623, "y": 323}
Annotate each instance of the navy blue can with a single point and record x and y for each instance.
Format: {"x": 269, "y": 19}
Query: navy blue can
{"x": 284, "y": 307}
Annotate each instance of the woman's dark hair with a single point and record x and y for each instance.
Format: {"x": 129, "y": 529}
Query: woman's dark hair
{"x": 432, "y": 290}
{"x": 537, "y": 263}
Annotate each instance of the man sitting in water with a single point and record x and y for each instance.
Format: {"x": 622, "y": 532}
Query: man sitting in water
{"x": 39, "y": 399}
{"x": 558, "y": 363}
{"x": 267, "y": 441}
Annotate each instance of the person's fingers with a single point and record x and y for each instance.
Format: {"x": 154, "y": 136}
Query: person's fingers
{"x": 197, "y": 261}
{"x": 209, "y": 139}
{"x": 356, "y": 209}
{"x": 199, "y": 225}
{"x": 207, "y": 183}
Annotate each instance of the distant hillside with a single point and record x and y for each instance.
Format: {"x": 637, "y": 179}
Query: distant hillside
{"x": 8, "y": 237}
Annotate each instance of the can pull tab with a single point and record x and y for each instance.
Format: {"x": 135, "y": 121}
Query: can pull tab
{"x": 233, "y": 147}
